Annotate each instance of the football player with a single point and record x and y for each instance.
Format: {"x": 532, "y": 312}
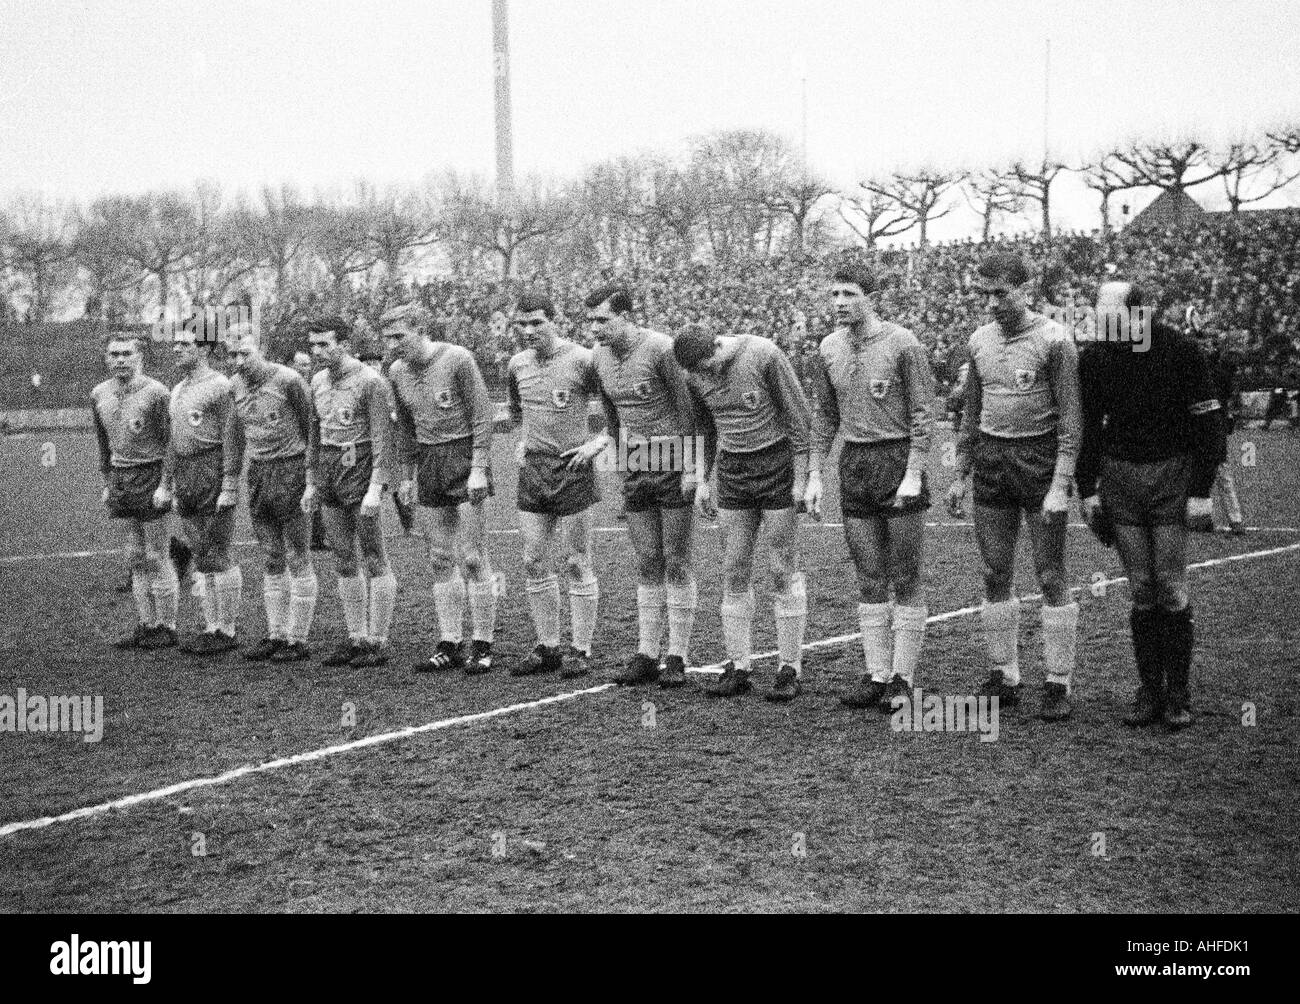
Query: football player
{"x": 204, "y": 461}
{"x": 1020, "y": 438}
{"x": 875, "y": 384}
{"x": 755, "y": 418}
{"x": 551, "y": 382}
{"x": 649, "y": 418}
{"x": 273, "y": 412}
{"x": 347, "y": 457}
{"x": 444, "y": 446}
{"x": 132, "y": 428}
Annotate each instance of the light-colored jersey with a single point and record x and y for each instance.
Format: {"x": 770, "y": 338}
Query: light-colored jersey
{"x": 354, "y": 409}
{"x": 874, "y": 391}
{"x": 646, "y": 388}
{"x": 1022, "y": 386}
{"x": 274, "y": 413}
{"x": 755, "y": 402}
{"x": 203, "y": 418}
{"x": 442, "y": 400}
{"x": 132, "y": 423}
{"x": 551, "y": 396}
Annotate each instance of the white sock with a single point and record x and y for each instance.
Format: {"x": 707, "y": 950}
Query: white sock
{"x": 737, "y": 627}
{"x": 166, "y": 594}
{"x": 584, "y": 597}
{"x": 909, "y": 634}
{"x": 483, "y": 605}
{"x": 682, "y": 601}
{"x": 1001, "y": 623}
{"x": 208, "y": 601}
{"x": 544, "y": 602}
{"x": 140, "y": 592}
{"x": 877, "y": 640}
{"x": 302, "y": 605}
{"x": 383, "y": 598}
{"x": 650, "y": 618}
{"x": 449, "y": 602}
{"x": 791, "y": 610}
{"x": 1060, "y": 634}
{"x": 230, "y": 589}
{"x": 352, "y": 594}
{"x": 275, "y": 598}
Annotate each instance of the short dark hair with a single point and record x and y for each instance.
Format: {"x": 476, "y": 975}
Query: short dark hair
{"x": 530, "y": 302}
{"x": 620, "y": 299}
{"x": 693, "y": 344}
{"x": 330, "y": 322}
{"x": 855, "y": 275}
{"x": 1054, "y": 273}
{"x": 1004, "y": 265}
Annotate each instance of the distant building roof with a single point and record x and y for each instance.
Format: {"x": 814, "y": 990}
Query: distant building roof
{"x": 1171, "y": 208}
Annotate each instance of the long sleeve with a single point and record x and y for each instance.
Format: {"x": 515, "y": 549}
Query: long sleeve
{"x": 707, "y": 427}
{"x": 404, "y": 437}
{"x": 313, "y": 440}
{"x": 232, "y": 445}
{"x": 516, "y": 404}
{"x": 970, "y": 422}
{"x": 675, "y": 384}
{"x": 479, "y": 411}
{"x": 790, "y": 400}
{"x": 825, "y": 415}
{"x": 1064, "y": 375}
{"x": 299, "y": 398}
{"x": 1092, "y": 420}
{"x": 380, "y": 405}
{"x": 1204, "y": 408}
{"x": 101, "y": 439}
{"x": 918, "y": 377}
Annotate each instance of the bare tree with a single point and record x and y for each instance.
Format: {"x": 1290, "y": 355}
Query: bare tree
{"x": 153, "y": 234}
{"x": 873, "y": 216}
{"x": 797, "y": 193}
{"x": 1167, "y": 165}
{"x": 990, "y": 193}
{"x": 1286, "y": 138}
{"x": 918, "y": 194}
{"x": 400, "y": 221}
{"x": 1036, "y": 183}
{"x": 1258, "y": 167}
{"x": 274, "y": 234}
{"x": 473, "y": 218}
{"x": 1105, "y": 174}
{"x": 341, "y": 240}
{"x": 739, "y": 173}
{"x": 39, "y": 252}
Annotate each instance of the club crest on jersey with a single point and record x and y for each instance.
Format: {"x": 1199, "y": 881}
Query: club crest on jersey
{"x": 749, "y": 399}
{"x": 642, "y": 390}
{"x": 560, "y": 398}
{"x": 136, "y": 424}
{"x": 1024, "y": 379}
{"x": 195, "y": 417}
{"x": 879, "y": 388}
{"x": 443, "y": 398}
{"x": 272, "y": 415}
{"x": 343, "y": 415}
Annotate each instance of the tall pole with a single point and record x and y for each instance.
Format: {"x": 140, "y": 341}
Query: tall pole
{"x": 1047, "y": 100}
{"x": 803, "y": 84}
{"x": 501, "y": 72}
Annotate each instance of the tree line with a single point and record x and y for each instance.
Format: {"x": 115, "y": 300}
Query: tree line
{"x": 731, "y": 196}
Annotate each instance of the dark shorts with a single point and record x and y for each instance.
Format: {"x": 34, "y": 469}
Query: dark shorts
{"x": 646, "y": 490}
{"x": 130, "y": 492}
{"x": 761, "y": 479}
{"x": 870, "y": 474}
{"x": 197, "y": 483}
{"x": 444, "y": 468}
{"x": 343, "y": 475}
{"x": 1152, "y": 494}
{"x": 275, "y": 489}
{"x": 1013, "y": 473}
{"x": 548, "y": 487}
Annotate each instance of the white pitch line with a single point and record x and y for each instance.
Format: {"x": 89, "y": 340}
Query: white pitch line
{"x": 384, "y": 737}
{"x": 319, "y": 754}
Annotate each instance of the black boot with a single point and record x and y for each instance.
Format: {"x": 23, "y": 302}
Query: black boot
{"x": 1176, "y": 633}
{"x": 1145, "y": 625}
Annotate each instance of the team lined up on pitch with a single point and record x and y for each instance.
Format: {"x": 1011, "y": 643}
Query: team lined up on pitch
{"x": 1134, "y": 432}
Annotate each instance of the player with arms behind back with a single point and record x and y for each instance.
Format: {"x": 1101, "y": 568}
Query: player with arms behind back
{"x": 347, "y": 454}
{"x": 647, "y": 405}
{"x": 1020, "y": 438}
{"x": 132, "y": 429}
{"x": 875, "y": 384}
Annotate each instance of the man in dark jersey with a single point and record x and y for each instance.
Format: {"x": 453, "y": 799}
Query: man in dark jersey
{"x": 1146, "y": 463}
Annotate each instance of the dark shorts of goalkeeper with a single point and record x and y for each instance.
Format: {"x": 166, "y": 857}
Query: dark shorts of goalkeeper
{"x": 1144, "y": 494}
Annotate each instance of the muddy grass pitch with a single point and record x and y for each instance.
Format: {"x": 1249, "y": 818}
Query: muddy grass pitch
{"x": 617, "y": 799}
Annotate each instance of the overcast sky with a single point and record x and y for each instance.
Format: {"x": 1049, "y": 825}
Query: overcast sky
{"x": 125, "y": 95}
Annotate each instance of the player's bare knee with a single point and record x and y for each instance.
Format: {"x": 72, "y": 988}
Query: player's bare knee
{"x": 677, "y": 570}
{"x": 1053, "y": 585}
{"x": 997, "y": 586}
{"x": 650, "y": 569}
{"x": 873, "y": 589}
{"x": 476, "y": 566}
{"x": 907, "y": 587}
{"x": 298, "y": 562}
{"x": 442, "y": 562}
{"x": 1142, "y": 592}
{"x": 577, "y": 568}
{"x": 1171, "y": 594}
